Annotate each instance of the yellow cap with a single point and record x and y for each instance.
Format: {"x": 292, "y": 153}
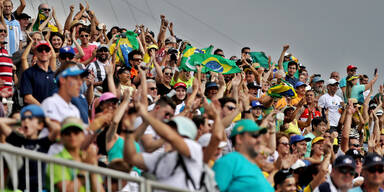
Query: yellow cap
{"x": 317, "y": 139}
{"x": 352, "y": 78}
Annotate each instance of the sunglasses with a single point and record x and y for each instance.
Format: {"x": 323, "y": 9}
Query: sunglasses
{"x": 355, "y": 145}
{"x": 247, "y": 53}
{"x": 43, "y": 48}
{"x": 65, "y": 56}
{"x": 46, "y": 9}
{"x": 137, "y": 59}
{"x": 221, "y": 55}
{"x": 27, "y": 117}
{"x": 153, "y": 88}
{"x": 346, "y": 170}
{"x": 231, "y": 108}
{"x": 69, "y": 130}
{"x": 257, "y": 134}
{"x": 3, "y": 31}
{"x": 375, "y": 169}
{"x": 168, "y": 74}
{"x": 84, "y": 35}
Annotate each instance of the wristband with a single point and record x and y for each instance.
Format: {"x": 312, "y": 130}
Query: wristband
{"x": 247, "y": 111}
{"x": 128, "y": 131}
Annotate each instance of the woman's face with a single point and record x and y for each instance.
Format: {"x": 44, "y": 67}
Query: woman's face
{"x": 181, "y": 93}
{"x": 57, "y": 42}
{"x": 168, "y": 75}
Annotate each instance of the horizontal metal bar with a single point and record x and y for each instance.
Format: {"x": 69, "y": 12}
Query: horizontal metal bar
{"x": 157, "y": 185}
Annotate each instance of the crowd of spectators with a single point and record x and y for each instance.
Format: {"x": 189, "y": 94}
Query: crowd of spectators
{"x": 66, "y": 92}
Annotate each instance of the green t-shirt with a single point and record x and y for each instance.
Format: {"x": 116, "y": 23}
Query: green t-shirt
{"x": 357, "y": 93}
{"x": 117, "y": 152}
{"x": 309, "y": 144}
{"x": 188, "y": 83}
{"x": 233, "y": 172}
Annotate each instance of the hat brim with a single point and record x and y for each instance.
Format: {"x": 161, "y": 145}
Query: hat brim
{"x": 71, "y": 126}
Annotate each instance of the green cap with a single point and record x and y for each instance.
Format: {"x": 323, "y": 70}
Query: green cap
{"x": 72, "y": 122}
{"x": 245, "y": 125}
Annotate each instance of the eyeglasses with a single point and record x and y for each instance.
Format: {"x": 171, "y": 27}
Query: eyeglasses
{"x": 247, "y": 53}
{"x": 27, "y": 117}
{"x": 346, "y": 170}
{"x": 46, "y": 9}
{"x": 153, "y": 88}
{"x": 220, "y": 55}
{"x": 373, "y": 169}
{"x": 284, "y": 143}
{"x": 84, "y": 35}
{"x": 65, "y": 56}
{"x": 137, "y": 59}
{"x": 3, "y": 31}
{"x": 168, "y": 74}
{"x": 43, "y": 48}
{"x": 230, "y": 108}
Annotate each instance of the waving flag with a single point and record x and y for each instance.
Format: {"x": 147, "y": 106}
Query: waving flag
{"x": 261, "y": 58}
{"x": 125, "y": 45}
{"x": 188, "y": 52}
{"x": 282, "y": 89}
{"x": 40, "y": 20}
{"x": 213, "y": 63}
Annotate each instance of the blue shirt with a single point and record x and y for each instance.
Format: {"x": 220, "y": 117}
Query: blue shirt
{"x": 81, "y": 104}
{"x": 39, "y": 83}
{"x": 233, "y": 172}
{"x": 291, "y": 80}
{"x": 14, "y": 35}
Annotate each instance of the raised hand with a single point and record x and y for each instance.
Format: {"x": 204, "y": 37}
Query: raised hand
{"x": 81, "y": 6}
{"x": 285, "y": 47}
{"x": 71, "y": 8}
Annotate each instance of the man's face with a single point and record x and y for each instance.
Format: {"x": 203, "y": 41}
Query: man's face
{"x": 352, "y": 72}
{"x": 373, "y": 175}
{"x": 36, "y": 37}
{"x": 24, "y": 23}
{"x": 335, "y": 76}
{"x": 332, "y": 88}
{"x": 342, "y": 177}
{"x": 318, "y": 148}
{"x": 102, "y": 54}
{"x": 125, "y": 76}
{"x": 301, "y": 147}
{"x": 292, "y": 70}
{"x": 354, "y": 144}
{"x": 251, "y": 143}
{"x": 167, "y": 74}
{"x": 43, "y": 53}
{"x": 30, "y": 125}
{"x": 163, "y": 112}
{"x": 3, "y": 33}
{"x": 300, "y": 90}
{"x": 249, "y": 76}
{"x": 84, "y": 38}
{"x": 212, "y": 91}
{"x": 72, "y": 85}
{"x": 72, "y": 139}
{"x": 257, "y": 111}
{"x": 228, "y": 108}
{"x": 364, "y": 81}
{"x": 310, "y": 96}
{"x": 7, "y": 8}
{"x": 44, "y": 9}
{"x": 289, "y": 185}
{"x": 319, "y": 85}
{"x": 137, "y": 59}
{"x": 152, "y": 89}
{"x": 246, "y": 54}
{"x": 253, "y": 91}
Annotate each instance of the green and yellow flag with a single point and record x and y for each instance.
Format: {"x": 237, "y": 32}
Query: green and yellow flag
{"x": 125, "y": 45}
{"x": 40, "y": 20}
{"x": 210, "y": 62}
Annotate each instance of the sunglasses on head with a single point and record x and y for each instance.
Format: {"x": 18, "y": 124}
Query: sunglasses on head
{"x": 65, "y": 56}
{"x": 375, "y": 169}
{"x": 43, "y": 48}
{"x": 27, "y": 117}
{"x": 3, "y": 31}
{"x": 346, "y": 170}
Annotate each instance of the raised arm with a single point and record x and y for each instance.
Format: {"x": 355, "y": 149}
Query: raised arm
{"x": 347, "y": 127}
{"x": 58, "y": 25}
{"x": 80, "y": 51}
{"x": 68, "y": 21}
{"x": 162, "y": 32}
{"x": 21, "y": 7}
{"x": 372, "y": 82}
{"x": 4, "y": 125}
{"x": 281, "y": 59}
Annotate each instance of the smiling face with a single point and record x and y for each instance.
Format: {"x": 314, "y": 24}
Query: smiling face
{"x": 57, "y": 42}
{"x": 181, "y": 93}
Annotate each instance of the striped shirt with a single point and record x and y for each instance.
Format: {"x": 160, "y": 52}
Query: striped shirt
{"x": 6, "y": 68}
{"x": 14, "y": 35}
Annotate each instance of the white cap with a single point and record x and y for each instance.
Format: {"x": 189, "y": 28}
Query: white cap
{"x": 206, "y": 138}
{"x": 331, "y": 81}
{"x": 299, "y": 163}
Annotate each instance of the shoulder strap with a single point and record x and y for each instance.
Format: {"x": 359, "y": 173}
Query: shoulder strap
{"x": 162, "y": 157}
{"x": 187, "y": 175}
{"x": 98, "y": 71}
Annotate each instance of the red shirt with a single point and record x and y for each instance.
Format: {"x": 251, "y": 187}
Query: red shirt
{"x": 304, "y": 116}
{"x": 6, "y": 65}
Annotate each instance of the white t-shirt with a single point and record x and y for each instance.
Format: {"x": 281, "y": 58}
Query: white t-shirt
{"x": 332, "y": 103}
{"x": 167, "y": 163}
{"x": 57, "y": 109}
{"x": 148, "y": 131}
{"x": 98, "y": 70}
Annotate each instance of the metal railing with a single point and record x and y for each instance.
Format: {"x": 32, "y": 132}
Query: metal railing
{"x": 144, "y": 184}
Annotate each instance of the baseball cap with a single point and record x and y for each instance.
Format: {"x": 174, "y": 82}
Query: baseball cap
{"x": 72, "y": 71}
{"x": 354, "y": 153}
{"x": 23, "y": 16}
{"x": 42, "y": 43}
{"x": 170, "y": 39}
{"x": 299, "y": 83}
{"x": 252, "y": 85}
{"x": 185, "y": 126}
{"x": 108, "y": 96}
{"x": 255, "y": 104}
{"x": 102, "y": 46}
{"x": 344, "y": 161}
{"x": 281, "y": 176}
{"x": 211, "y": 84}
{"x": 317, "y": 139}
{"x": 332, "y": 82}
{"x": 246, "y": 125}
{"x": 372, "y": 159}
{"x": 66, "y": 50}
{"x": 180, "y": 84}
{"x": 350, "y": 67}
{"x": 297, "y": 138}
{"x": 152, "y": 46}
{"x": 34, "y": 109}
{"x": 72, "y": 122}
{"x": 206, "y": 138}
{"x": 298, "y": 164}
{"x": 317, "y": 79}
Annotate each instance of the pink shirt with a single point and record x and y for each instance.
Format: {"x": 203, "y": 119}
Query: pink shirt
{"x": 87, "y": 52}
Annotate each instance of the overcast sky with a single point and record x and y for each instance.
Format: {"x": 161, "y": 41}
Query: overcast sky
{"x": 325, "y": 35}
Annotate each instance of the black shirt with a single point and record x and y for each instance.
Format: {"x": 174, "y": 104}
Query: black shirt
{"x": 162, "y": 89}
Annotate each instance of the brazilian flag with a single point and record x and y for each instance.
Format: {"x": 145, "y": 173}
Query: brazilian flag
{"x": 125, "y": 44}
{"x": 40, "y": 20}
{"x": 261, "y": 58}
{"x": 213, "y": 63}
{"x": 188, "y": 52}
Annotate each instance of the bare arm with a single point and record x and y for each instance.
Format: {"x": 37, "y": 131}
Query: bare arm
{"x": 281, "y": 59}
{"x": 24, "y": 57}
{"x": 4, "y": 125}
{"x": 347, "y": 127}
{"x": 162, "y": 32}
{"x": 45, "y": 23}
{"x": 68, "y": 21}
{"x": 111, "y": 84}
{"x": 30, "y": 99}
{"x": 21, "y": 7}
{"x": 372, "y": 82}
{"x": 58, "y": 25}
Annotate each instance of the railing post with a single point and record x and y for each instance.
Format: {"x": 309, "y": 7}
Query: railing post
{"x": 2, "y": 171}
{"x": 51, "y": 172}
{"x": 39, "y": 176}
{"x": 27, "y": 186}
